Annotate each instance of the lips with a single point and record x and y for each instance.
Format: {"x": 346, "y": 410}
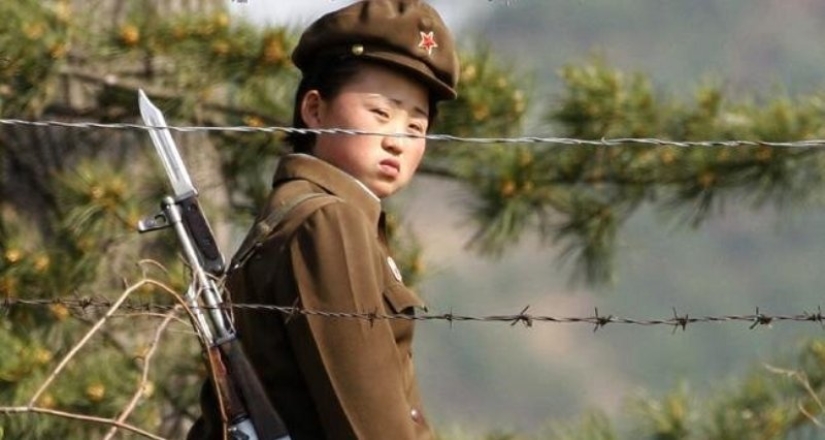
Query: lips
{"x": 391, "y": 167}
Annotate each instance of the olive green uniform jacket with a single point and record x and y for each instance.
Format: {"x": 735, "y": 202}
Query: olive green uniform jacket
{"x": 330, "y": 377}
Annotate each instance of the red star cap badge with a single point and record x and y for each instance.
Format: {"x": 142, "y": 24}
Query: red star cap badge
{"x": 427, "y": 42}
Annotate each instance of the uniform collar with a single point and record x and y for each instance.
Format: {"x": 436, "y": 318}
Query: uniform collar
{"x": 329, "y": 177}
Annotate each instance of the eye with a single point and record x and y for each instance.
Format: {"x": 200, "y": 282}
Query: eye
{"x": 381, "y": 112}
{"x": 417, "y": 128}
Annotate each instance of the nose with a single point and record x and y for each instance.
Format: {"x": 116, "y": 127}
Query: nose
{"x": 394, "y": 144}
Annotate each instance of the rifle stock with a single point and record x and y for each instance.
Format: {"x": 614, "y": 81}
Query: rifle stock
{"x": 258, "y": 407}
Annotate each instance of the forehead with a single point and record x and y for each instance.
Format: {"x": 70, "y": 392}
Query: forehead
{"x": 391, "y": 83}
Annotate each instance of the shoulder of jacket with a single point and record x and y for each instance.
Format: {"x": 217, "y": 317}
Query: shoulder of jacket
{"x": 292, "y": 211}
{"x": 328, "y": 215}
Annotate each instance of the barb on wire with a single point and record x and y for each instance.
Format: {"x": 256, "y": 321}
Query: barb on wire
{"x": 817, "y": 317}
{"x": 761, "y": 319}
{"x": 523, "y": 318}
{"x": 562, "y": 141}
{"x": 598, "y": 320}
{"x": 680, "y": 321}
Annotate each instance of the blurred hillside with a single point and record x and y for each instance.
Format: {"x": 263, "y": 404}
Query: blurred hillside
{"x": 750, "y": 45}
{"x": 517, "y": 378}
{"x": 491, "y": 375}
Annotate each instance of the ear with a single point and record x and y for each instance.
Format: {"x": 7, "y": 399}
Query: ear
{"x": 311, "y": 109}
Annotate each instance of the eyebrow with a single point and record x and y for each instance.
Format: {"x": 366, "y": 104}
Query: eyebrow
{"x": 416, "y": 109}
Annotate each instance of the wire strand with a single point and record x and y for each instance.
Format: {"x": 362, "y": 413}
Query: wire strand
{"x": 563, "y": 141}
{"x": 598, "y": 319}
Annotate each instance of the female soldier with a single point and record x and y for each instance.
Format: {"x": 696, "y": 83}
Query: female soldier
{"x": 379, "y": 66}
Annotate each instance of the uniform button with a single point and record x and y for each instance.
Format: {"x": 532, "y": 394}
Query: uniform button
{"x": 415, "y": 415}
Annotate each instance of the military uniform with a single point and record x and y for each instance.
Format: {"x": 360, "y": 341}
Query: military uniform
{"x": 330, "y": 377}
{"x": 337, "y": 377}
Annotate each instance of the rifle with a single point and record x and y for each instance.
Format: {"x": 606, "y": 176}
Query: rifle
{"x": 246, "y": 411}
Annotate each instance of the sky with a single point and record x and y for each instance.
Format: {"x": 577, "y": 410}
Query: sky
{"x": 456, "y": 13}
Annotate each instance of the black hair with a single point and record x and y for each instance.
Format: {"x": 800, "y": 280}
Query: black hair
{"x": 328, "y": 75}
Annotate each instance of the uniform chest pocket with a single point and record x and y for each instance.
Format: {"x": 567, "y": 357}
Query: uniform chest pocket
{"x": 401, "y": 299}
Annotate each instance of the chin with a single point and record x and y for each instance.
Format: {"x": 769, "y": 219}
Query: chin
{"x": 383, "y": 191}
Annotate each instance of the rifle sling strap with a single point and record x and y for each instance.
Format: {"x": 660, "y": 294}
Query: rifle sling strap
{"x": 260, "y": 232}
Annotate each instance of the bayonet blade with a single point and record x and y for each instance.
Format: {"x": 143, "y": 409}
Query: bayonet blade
{"x": 165, "y": 146}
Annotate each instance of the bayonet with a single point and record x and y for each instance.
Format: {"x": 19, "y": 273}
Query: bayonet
{"x": 185, "y": 193}
{"x": 165, "y": 146}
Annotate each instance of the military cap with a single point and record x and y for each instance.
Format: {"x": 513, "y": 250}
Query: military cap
{"x": 406, "y": 34}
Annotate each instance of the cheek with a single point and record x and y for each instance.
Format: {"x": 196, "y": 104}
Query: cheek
{"x": 344, "y": 151}
{"x": 415, "y": 154}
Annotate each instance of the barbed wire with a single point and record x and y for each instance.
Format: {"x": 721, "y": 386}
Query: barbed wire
{"x": 549, "y": 140}
{"x": 598, "y": 320}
